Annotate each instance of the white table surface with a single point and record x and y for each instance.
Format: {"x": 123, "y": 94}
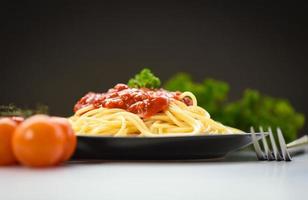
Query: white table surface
{"x": 240, "y": 176}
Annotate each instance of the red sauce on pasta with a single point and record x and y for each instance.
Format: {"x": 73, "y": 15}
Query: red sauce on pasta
{"x": 141, "y": 101}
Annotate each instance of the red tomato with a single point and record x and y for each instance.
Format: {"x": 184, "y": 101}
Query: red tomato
{"x": 7, "y": 128}
{"x": 38, "y": 142}
{"x": 70, "y": 136}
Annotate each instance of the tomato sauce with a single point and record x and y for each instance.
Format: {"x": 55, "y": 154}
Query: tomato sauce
{"x": 141, "y": 101}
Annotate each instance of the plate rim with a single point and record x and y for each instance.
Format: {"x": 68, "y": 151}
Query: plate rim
{"x": 172, "y": 137}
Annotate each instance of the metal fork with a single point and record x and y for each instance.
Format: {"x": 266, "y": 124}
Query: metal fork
{"x": 273, "y": 153}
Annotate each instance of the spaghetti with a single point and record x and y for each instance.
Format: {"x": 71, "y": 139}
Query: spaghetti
{"x": 124, "y": 111}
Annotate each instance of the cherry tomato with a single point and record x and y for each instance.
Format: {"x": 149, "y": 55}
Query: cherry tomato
{"x": 38, "y": 142}
{"x": 71, "y": 140}
{"x": 7, "y": 128}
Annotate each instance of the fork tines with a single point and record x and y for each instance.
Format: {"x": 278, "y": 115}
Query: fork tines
{"x": 270, "y": 153}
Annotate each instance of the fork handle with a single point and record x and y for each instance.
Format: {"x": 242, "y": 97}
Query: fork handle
{"x": 298, "y": 146}
{"x": 296, "y": 150}
{"x": 298, "y": 142}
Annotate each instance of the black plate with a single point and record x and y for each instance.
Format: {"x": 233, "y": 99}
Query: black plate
{"x": 159, "y": 148}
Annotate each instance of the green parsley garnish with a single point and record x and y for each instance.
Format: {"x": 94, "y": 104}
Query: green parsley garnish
{"x": 145, "y": 79}
{"x": 252, "y": 109}
{"x": 11, "y": 110}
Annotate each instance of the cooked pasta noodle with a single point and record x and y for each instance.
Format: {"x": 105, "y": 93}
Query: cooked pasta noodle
{"x": 178, "y": 119}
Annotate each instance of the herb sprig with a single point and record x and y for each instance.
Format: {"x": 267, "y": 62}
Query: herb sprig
{"x": 252, "y": 109}
{"x": 145, "y": 79}
{"x": 12, "y": 110}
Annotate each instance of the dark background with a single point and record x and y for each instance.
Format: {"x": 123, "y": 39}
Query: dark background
{"x": 53, "y": 53}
